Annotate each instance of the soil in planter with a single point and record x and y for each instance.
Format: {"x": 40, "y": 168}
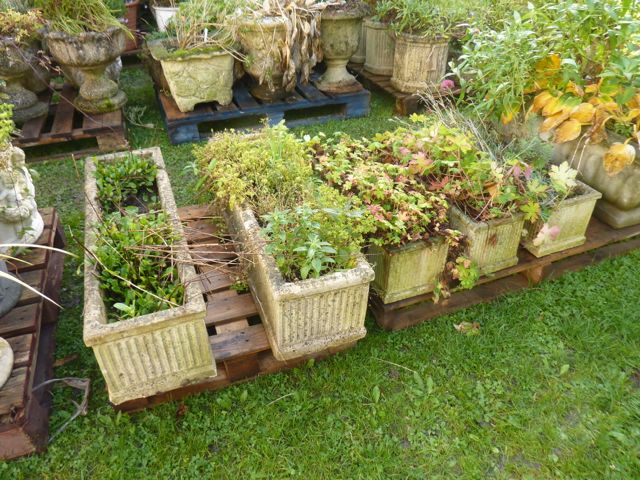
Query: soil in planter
{"x": 351, "y": 6}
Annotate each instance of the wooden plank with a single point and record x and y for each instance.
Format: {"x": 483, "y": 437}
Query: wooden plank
{"x": 20, "y": 320}
{"x": 250, "y": 340}
{"x": 97, "y": 123}
{"x": 13, "y": 395}
{"x": 22, "y": 346}
{"x": 31, "y": 130}
{"x": 35, "y": 279}
{"x": 243, "y": 98}
{"x": 194, "y": 212}
{"x": 215, "y": 281}
{"x": 63, "y": 119}
{"x": 310, "y": 92}
{"x": 225, "y": 310}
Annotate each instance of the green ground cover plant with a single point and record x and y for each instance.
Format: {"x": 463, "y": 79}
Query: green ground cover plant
{"x": 548, "y": 387}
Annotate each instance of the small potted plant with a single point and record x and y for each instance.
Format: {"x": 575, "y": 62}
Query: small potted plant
{"x": 144, "y": 309}
{"x": 163, "y": 11}
{"x": 280, "y": 39}
{"x": 18, "y": 33}
{"x": 198, "y": 59}
{"x": 340, "y": 31}
{"x": 421, "y": 50}
{"x": 409, "y": 238}
{"x": 302, "y": 242}
{"x": 85, "y": 35}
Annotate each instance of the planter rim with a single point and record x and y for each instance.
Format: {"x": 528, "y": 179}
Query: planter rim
{"x": 263, "y": 22}
{"x": 415, "y": 245}
{"x": 342, "y": 14}
{"x": 166, "y": 9}
{"x": 370, "y": 22}
{"x": 84, "y": 36}
{"x": 586, "y": 193}
{"x": 416, "y": 38}
{"x": 159, "y": 52}
{"x": 489, "y": 223}
{"x": 284, "y": 290}
{"x": 96, "y": 332}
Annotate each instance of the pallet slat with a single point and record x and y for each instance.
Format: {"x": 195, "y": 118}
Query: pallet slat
{"x": 63, "y": 119}
{"x": 225, "y": 310}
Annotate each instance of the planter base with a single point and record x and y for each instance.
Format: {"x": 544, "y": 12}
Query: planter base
{"x": 613, "y": 216}
{"x": 103, "y": 106}
{"x": 265, "y": 92}
{"x": 347, "y": 84}
{"x": 36, "y": 110}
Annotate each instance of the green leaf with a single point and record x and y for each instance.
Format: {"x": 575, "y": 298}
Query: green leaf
{"x": 375, "y": 394}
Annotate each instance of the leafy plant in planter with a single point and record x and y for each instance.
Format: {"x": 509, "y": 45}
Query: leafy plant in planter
{"x": 18, "y": 54}
{"x": 303, "y": 260}
{"x": 83, "y": 34}
{"x": 198, "y": 58}
{"x": 423, "y": 29}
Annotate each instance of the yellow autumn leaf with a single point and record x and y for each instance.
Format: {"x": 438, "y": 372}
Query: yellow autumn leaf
{"x": 583, "y": 113}
{"x": 574, "y": 88}
{"x": 593, "y": 88}
{"x": 549, "y": 66}
{"x": 617, "y": 157}
{"x": 569, "y": 130}
{"x": 552, "y": 107}
{"x": 540, "y": 101}
{"x": 634, "y": 102}
{"x": 610, "y": 106}
{"x": 629, "y": 116}
{"x": 552, "y": 122}
{"x": 507, "y": 116}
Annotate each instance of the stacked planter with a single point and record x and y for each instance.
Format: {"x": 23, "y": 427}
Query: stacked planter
{"x": 152, "y": 353}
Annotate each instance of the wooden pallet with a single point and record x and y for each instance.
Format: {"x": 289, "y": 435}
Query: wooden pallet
{"x": 405, "y": 103}
{"x": 306, "y": 105}
{"x": 602, "y": 242}
{"x": 237, "y": 336}
{"x": 29, "y": 328}
{"x": 64, "y": 123}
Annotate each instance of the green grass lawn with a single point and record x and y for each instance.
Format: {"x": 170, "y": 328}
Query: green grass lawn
{"x": 549, "y": 388}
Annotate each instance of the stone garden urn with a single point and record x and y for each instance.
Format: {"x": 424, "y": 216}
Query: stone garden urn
{"x": 263, "y": 40}
{"x": 20, "y": 221}
{"x": 340, "y": 34}
{"x": 92, "y": 53}
{"x": 14, "y": 67}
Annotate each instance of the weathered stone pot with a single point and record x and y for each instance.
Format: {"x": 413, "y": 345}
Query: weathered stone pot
{"x": 163, "y": 15}
{"x": 76, "y": 77}
{"x": 38, "y": 78}
{"x": 153, "y": 353}
{"x": 339, "y": 34}
{"x": 620, "y": 203}
{"x": 491, "y": 245}
{"x": 15, "y": 64}
{"x": 408, "y": 270}
{"x": 381, "y": 45}
{"x": 92, "y": 53}
{"x": 419, "y": 63}
{"x": 197, "y": 77}
{"x": 359, "y": 56}
{"x": 263, "y": 40}
{"x": 307, "y": 316}
{"x": 572, "y": 216}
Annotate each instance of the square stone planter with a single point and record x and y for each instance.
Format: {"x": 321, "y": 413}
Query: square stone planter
{"x": 152, "y": 353}
{"x": 194, "y": 78}
{"x": 572, "y": 216}
{"x": 419, "y": 63}
{"x": 306, "y": 316}
{"x": 380, "y": 44}
{"x": 492, "y": 245}
{"x": 408, "y": 270}
{"x": 620, "y": 203}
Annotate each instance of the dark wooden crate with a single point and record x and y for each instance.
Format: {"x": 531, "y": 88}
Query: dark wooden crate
{"x": 29, "y": 328}
{"x": 602, "y": 242}
{"x": 306, "y": 105}
{"x": 405, "y": 103}
{"x": 63, "y": 123}
{"x": 237, "y": 336}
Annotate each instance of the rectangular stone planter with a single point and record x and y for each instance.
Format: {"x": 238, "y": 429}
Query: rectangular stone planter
{"x": 153, "y": 353}
{"x": 408, "y": 270}
{"x": 572, "y": 216}
{"x": 306, "y": 316}
{"x": 620, "y": 203}
{"x": 492, "y": 245}
{"x": 419, "y": 64}
{"x": 380, "y": 44}
{"x": 196, "y": 77}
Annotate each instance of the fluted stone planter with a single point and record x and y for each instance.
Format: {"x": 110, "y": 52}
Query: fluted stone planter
{"x": 419, "y": 63}
{"x": 620, "y": 203}
{"x": 306, "y": 316}
{"x": 492, "y": 245}
{"x": 359, "y": 57}
{"x": 339, "y": 39}
{"x": 572, "y": 216}
{"x": 15, "y": 65}
{"x": 92, "y": 53}
{"x": 263, "y": 40}
{"x": 381, "y": 44}
{"x": 408, "y": 270}
{"x": 152, "y": 353}
{"x": 196, "y": 77}
{"x": 163, "y": 15}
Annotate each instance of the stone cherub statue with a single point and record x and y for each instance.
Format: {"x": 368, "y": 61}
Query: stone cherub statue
{"x": 20, "y": 221}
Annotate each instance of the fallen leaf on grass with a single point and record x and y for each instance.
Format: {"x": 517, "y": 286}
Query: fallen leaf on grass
{"x": 64, "y": 360}
{"x": 468, "y": 328}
